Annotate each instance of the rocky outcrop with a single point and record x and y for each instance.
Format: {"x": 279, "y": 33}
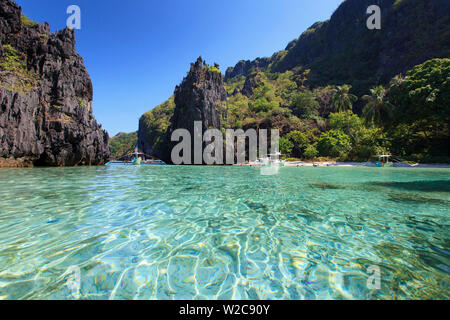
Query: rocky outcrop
{"x": 200, "y": 97}
{"x": 245, "y": 68}
{"x": 45, "y": 97}
{"x": 251, "y": 82}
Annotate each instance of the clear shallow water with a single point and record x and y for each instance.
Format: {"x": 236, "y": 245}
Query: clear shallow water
{"x": 224, "y": 233}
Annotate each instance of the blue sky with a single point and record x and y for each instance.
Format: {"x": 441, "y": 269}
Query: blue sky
{"x": 137, "y": 51}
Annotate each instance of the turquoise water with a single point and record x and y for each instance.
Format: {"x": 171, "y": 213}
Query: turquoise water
{"x": 224, "y": 233}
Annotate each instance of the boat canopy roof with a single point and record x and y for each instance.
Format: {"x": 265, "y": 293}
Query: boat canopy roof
{"x": 275, "y": 154}
{"x": 137, "y": 153}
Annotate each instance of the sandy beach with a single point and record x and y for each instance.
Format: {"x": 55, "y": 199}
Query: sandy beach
{"x": 363, "y": 164}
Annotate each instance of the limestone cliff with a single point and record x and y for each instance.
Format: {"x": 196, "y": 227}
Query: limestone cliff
{"x": 343, "y": 50}
{"x": 45, "y": 97}
{"x": 200, "y": 97}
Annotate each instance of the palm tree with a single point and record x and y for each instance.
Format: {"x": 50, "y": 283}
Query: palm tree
{"x": 378, "y": 109}
{"x": 397, "y": 81}
{"x": 343, "y": 100}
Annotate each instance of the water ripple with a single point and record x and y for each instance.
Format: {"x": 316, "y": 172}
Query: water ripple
{"x": 224, "y": 233}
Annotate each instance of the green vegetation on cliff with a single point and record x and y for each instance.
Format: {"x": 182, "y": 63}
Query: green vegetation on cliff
{"x": 409, "y": 118}
{"x": 14, "y": 74}
{"x": 153, "y": 126}
{"x": 27, "y": 22}
{"x": 312, "y": 123}
{"x": 342, "y": 50}
{"x": 214, "y": 68}
{"x": 12, "y": 61}
{"x": 122, "y": 144}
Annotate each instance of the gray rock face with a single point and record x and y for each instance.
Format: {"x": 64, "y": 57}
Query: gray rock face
{"x": 244, "y": 68}
{"x": 251, "y": 82}
{"x": 200, "y": 97}
{"x": 45, "y": 97}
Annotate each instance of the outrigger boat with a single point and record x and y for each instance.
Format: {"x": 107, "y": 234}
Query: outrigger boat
{"x": 272, "y": 160}
{"x": 383, "y": 161}
{"x": 137, "y": 158}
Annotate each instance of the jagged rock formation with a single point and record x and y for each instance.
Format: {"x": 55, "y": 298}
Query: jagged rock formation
{"x": 251, "y": 81}
{"x": 200, "y": 97}
{"x": 244, "y": 68}
{"x": 343, "y": 50}
{"x": 45, "y": 97}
